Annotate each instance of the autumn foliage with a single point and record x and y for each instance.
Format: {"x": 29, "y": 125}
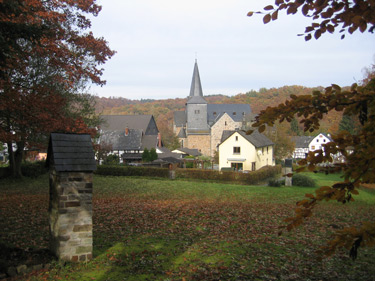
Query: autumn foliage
{"x": 47, "y": 58}
{"x": 327, "y": 16}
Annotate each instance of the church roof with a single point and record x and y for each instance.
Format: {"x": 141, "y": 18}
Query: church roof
{"x": 196, "y": 100}
{"x": 196, "y": 87}
{"x": 182, "y": 134}
{"x": 235, "y": 111}
{"x": 179, "y": 118}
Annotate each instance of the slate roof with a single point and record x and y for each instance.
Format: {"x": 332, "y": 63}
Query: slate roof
{"x": 302, "y": 141}
{"x": 196, "y": 86}
{"x": 120, "y": 122}
{"x": 182, "y": 134}
{"x": 150, "y": 141}
{"x": 256, "y": 138}
{"x": 196, "y": 100}
{"x": 71, "y": 153}
{"x": 236, "y": 111}
{"x": 118, "y": 140}
{"x": 179, "y": 118}
{"x": 190, "y": 151}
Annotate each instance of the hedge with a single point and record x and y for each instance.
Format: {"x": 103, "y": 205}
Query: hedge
{"x": 117, "y": 170}
{"x": 255, "y": 177}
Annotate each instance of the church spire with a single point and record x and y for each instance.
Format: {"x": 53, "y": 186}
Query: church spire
{"x": 196, "y": 87}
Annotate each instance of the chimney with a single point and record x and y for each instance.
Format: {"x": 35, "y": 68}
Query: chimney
{"x": 159, "y": 140}
{"x": 126, "y": 131}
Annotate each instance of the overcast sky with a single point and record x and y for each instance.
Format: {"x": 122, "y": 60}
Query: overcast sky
{"x": 157, "y": 43}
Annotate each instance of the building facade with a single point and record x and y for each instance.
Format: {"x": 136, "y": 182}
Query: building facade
{"x": 201, "y": 125}
{"x": 242, "y": 152}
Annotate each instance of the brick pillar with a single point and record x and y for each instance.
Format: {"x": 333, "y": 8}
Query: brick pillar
{"x": 70, "y": 215}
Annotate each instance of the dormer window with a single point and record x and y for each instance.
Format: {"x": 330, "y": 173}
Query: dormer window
{"x": 215, "y": 113}
{"x": 234, "y": 113}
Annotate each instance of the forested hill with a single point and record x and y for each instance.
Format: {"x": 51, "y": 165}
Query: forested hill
{"x": 163, "y": 109}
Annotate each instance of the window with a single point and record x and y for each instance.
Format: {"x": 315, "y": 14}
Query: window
{"x": 253, "y": 166}
{"x": 196, "y": 111}
{"x": 236, "y": 150}
{"x": 234, "y": 113}
{"x": 317, "y": 140}
{"x": 313, "y": 147}
{"x": 236, "y": 138}
{"x": 214, "y": 113}
{"x": 225, "y": 123}
{"x": 262, "y": 150}
{"x": 267, "y": 151}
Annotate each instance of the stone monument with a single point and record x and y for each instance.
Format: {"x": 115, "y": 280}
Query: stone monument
{"x": 71, "y": 163}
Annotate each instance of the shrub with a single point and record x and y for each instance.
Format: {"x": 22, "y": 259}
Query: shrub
{"x": 34, "y": 169}
{"x": 254, "y": 177}
{"x": 111, "y": 159}
{"x": 117, "y": 170}
{"x": 276, "y": 182}
{"x": 303, "y": 180}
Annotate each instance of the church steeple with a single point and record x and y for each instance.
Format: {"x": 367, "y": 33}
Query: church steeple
{"x": 196, "y": 87}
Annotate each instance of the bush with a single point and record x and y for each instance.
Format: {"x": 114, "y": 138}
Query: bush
{"x": 129, "y": 171}
{"x": 34, "y": 169}
{"x": 254, "y": 177}
{"x": 111, "y": 159}
{"x": 303, "y": 180}
{"x": 276, "y": 182}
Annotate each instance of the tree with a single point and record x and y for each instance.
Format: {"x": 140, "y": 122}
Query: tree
{"x": 146, "y": 155}
{"x": 359, "y": 101}
{"x": 348, "y": 123}
{"x": 284, "y": 146}
{"x": 327, "y": 15}
{"x": 47, "y": 60}
{"x": 294, "y": 127}
{"x": 153, "y": 155}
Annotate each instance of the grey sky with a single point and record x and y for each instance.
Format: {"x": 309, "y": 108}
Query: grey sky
{"x": 157, "y": 43}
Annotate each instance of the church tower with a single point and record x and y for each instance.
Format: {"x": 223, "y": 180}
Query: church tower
{"x": 196, "y": 107}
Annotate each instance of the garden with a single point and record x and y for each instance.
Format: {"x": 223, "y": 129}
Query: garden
{"x": 160, "y": 229}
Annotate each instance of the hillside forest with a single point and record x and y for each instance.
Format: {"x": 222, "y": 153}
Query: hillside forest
{"x": 162, "y": 110}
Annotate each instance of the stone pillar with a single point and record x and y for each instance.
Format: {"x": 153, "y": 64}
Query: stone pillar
{"x": 70, "y": 215}
{"x": 288, "y": 170}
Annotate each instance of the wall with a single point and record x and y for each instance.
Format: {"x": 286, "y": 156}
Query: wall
{"x": 224, "y": 123}
{"x": 70, "y": 213}
{"x": 248, "y": 154}
{"x": 200, "y": 142}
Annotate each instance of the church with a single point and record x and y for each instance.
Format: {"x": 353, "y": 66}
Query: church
{"x": 201, "y": 125}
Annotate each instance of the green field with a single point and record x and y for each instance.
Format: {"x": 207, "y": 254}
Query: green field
{"x": 149, "y": 229}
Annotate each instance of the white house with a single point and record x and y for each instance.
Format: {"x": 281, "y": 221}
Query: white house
{"x": 305, "y": 144}
{"x": 245, "y": 152}
{"x": 317, "y": 142}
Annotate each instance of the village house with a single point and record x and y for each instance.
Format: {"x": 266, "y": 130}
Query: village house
{"x": 243, "y": 152}
{"x": 201, "y": 125}
{"x": 128, "y": 135}
{"x": 305, "y": 144}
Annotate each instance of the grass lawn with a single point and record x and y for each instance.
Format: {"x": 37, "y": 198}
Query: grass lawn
{"x": 156, "y": 229}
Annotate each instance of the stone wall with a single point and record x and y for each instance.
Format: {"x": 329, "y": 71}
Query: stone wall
{"x": 224, "y": 123}
{"x": 200, "y": 142}
{"x": 70, "y": 214}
